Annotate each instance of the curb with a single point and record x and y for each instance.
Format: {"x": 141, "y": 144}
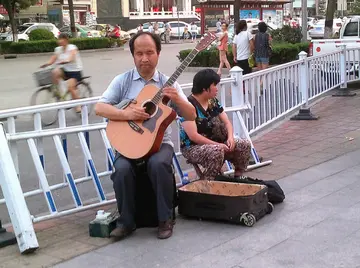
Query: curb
{"x": 7, "y": 56}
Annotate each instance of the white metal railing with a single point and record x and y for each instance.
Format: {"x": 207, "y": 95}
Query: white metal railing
{"x": 257, "y": 100}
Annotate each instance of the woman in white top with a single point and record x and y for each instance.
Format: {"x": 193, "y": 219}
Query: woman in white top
{"x": 70, "y": 66}
{"x": 243, "y": 46}
{"x": 194, "y": 31}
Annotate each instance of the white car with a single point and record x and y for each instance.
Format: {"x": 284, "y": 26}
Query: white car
{"x": 317, "y": 30}
{"x": 25, "y": 29}
{"x": 146, "y": 26}
{"x": 178, "y": 27}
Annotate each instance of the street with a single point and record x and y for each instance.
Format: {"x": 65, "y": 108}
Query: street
{"x": 17, "y": 83}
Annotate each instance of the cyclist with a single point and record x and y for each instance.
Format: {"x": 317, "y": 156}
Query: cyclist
{"x": 68, "y": 56}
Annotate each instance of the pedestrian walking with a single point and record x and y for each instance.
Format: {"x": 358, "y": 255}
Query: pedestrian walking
{"x": 223, "y": 48}
{"x": 194, "y": 31}
{"x": 243, "y": 46}
{"x": 263, "y": 49}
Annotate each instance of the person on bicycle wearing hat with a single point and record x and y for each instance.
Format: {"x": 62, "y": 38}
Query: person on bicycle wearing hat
{"x": 68, "y": 57}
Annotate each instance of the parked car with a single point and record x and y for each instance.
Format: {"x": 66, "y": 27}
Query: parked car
{"x": 317, "y": 30}
{"x": 177, "y": 28}
{"x": 349, "y": 36}
{"x": 146, "y": 26}
{"x": 25, "y": 29}
{"x": 101, "y": 28}
{"x": 82, "y": 31}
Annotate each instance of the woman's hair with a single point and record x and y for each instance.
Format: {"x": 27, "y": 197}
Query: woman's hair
{"x": 203, "y": 80}
{"x": 63, "y": 36}
{"x": 226, "y": 25}
{"x": 241, "y": 26}
{"x": 262, "y": 27}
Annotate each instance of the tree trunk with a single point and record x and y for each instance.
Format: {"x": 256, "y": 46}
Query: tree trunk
{"x": 236, "y": 12}
{"x": 330, "y": 11}
{"x": 8, "y": 5}
{"x": 72, "y": 18}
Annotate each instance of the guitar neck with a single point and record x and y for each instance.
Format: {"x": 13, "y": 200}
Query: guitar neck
{"x": 185, "y": 63}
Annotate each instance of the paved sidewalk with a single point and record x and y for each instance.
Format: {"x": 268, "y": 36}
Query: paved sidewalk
{"x": 293, "y": 146}
{"x": 318, "y": 226}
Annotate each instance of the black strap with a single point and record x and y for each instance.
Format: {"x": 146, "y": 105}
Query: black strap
{"x": 196, "y": 104}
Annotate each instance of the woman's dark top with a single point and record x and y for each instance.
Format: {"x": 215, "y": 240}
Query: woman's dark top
{"x": 204, "y": 120}
{"x": 262, "y": 45}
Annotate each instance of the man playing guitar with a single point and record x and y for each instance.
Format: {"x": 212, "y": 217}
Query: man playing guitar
{"x": 145, "y": 48}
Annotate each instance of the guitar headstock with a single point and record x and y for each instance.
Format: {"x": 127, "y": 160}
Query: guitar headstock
{"x": 205, "y": 41}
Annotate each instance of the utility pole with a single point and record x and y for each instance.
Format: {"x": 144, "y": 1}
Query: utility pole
{"x": 236, "y": 11}
{"x": 72, "y": 18}
{"x": 304, "y": 20}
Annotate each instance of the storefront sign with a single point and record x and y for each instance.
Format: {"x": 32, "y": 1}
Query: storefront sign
{"x": 249, "y": 14}
{"x": 273, "y": 17}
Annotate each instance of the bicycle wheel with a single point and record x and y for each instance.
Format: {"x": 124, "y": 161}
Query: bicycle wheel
{"x": 84, "y": 91}
{"x": 45, "y": 95}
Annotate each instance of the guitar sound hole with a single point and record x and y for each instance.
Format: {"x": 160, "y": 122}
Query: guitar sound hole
{"x": 150, "y": 108}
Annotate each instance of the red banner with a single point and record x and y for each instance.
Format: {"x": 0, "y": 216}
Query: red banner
{"x": 3, "y": 10}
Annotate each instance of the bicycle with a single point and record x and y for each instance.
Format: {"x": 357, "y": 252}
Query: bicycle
{"x": 53, "y": 93}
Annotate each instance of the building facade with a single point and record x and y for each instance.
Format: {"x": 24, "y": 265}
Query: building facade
{"x": 130, "y": 13}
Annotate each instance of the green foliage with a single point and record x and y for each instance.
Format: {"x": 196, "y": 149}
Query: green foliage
{"x": 322, "y": 7}
{"x": 286, "y": 34}
{"x": 41, "y": 34}
{"x": 4, "y": 46}
{"x": 355, "y": 8}
{"x": 50, "y": 45}
{"x": 282, "y": 53}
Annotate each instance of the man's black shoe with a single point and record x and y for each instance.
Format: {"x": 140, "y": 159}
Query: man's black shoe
{"x": 121, "y": 232}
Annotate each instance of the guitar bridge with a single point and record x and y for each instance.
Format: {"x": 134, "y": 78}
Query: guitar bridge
{"x": 135, "y": 127}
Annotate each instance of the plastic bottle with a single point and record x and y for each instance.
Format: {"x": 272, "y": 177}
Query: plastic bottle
{"x": 185, "y": 179}
{"x": 101, "y": 215}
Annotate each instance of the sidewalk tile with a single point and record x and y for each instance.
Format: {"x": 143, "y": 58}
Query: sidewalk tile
{"x": 225, "y": 255}
{"x": 345, "y": 253}
{"x": 68, "y": 248}
{"x": 156, "y": 258}
{"x": 288, "y": 254}
{"x": 327, "y": 233}
{"x": 35, "y": 260}
{"x": 344, "y": 198}
{"x": 268, "y": 237}
{"x": 92, "y": 260}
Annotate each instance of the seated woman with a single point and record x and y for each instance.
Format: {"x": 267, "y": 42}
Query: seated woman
{"x": 209, "y": 140}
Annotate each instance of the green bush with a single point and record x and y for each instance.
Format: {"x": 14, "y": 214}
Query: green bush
{"x": 286, "y": 34}
{"x": 282, "y": 53}
{"x": 4, "y": 46}
{"x": 41, "y": 34}
{"x": 50, "y": 45}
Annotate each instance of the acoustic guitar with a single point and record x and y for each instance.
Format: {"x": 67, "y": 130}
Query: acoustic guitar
{"x": 138, "y": 139}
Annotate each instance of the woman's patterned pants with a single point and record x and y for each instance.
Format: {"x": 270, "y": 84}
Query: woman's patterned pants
{"x": 211, "y": 157}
